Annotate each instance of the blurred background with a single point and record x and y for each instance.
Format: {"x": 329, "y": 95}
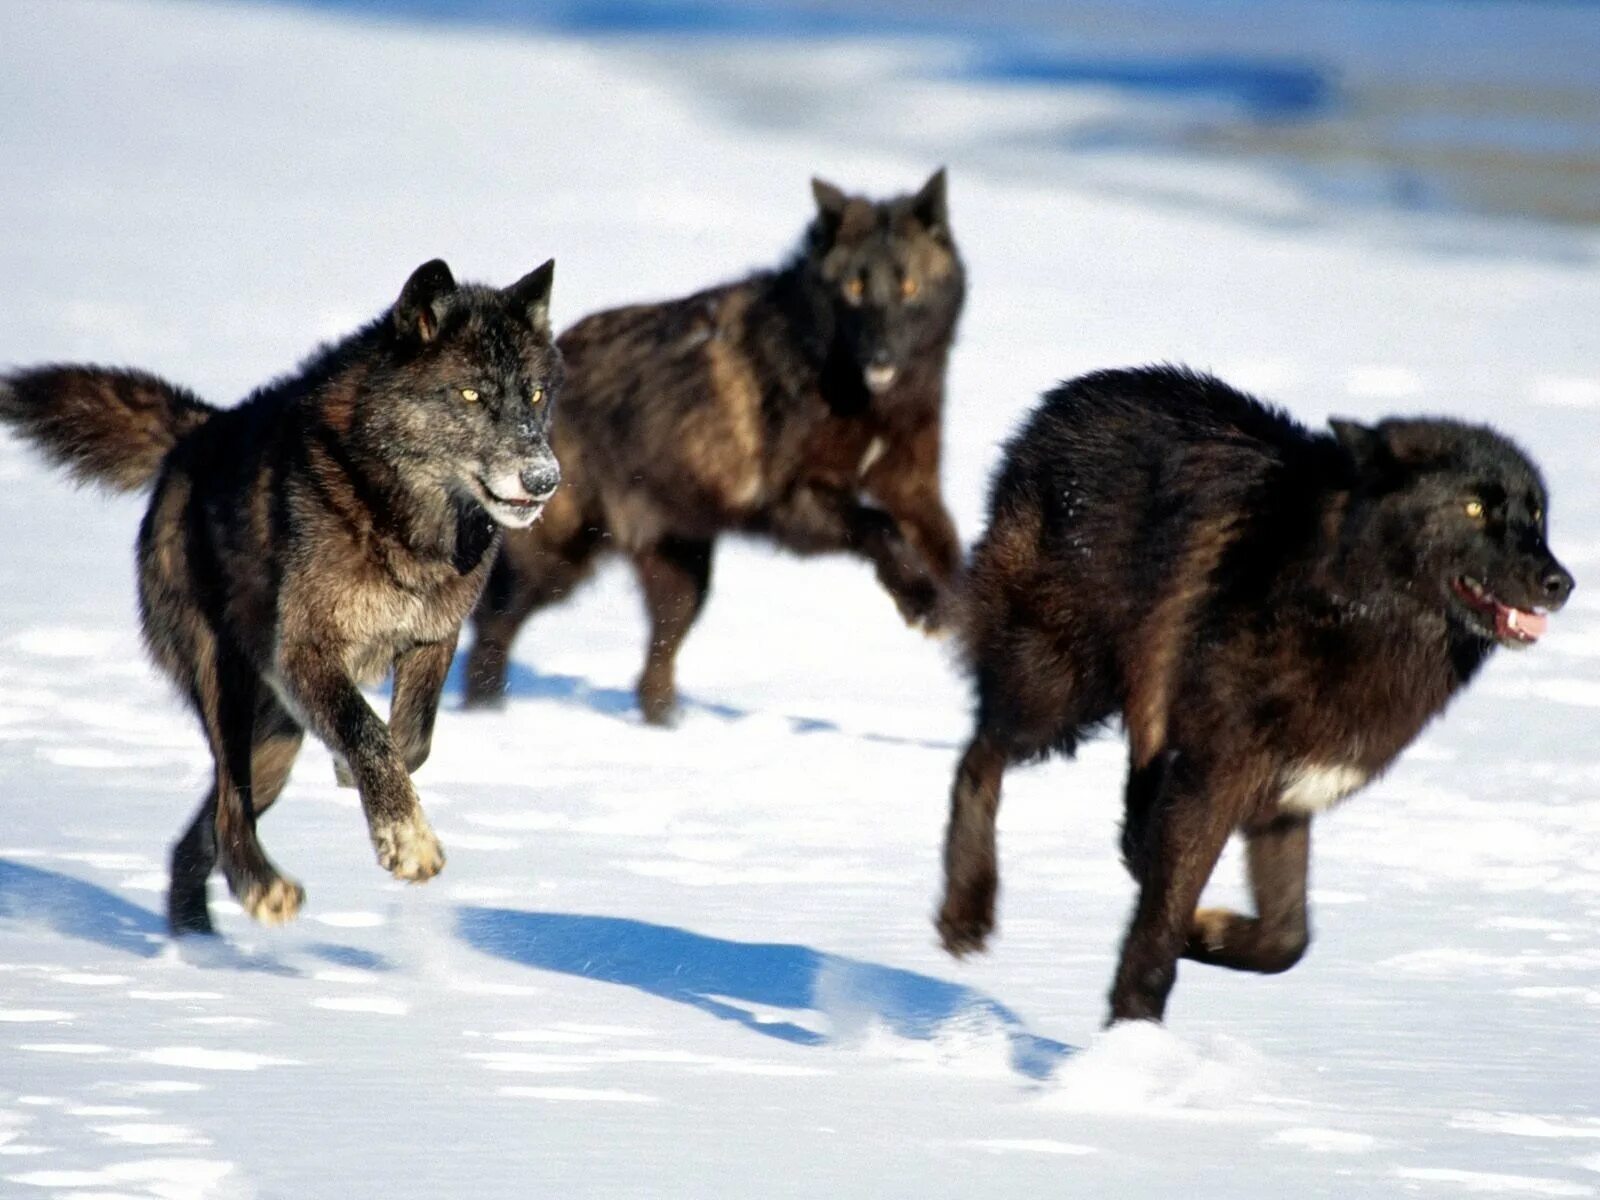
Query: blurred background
{"x": 1418, "y": 104}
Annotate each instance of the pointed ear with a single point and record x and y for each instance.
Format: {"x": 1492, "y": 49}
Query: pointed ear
{"x": 830, "y": 200}
{"x": 421, "y": 305}
{"x": 1363, "y": 443}
{"x": 531, "y": 294}
{"x": 928, "y": 205}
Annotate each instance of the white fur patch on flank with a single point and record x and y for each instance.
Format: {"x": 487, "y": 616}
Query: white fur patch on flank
{"x": 1311, "y": 787}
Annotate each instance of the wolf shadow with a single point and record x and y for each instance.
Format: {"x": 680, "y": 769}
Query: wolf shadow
{"x": 744, "y": 981}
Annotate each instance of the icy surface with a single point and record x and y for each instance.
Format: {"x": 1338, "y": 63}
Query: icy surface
{"x": 699, "y": 963}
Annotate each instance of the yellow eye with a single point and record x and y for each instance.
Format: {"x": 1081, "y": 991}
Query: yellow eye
{"x": 854, "y": 289}
{"x": 1475, "y": 509}
{"x": 535, "y": 396}
{"x": 1538, "y": 516}
{"x": 908, "y": 287}
{"x": 470, "y": 395}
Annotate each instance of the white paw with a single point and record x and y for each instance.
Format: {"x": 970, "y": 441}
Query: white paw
{"x": 408, "y": 849}
{"x": 277, "y": 903}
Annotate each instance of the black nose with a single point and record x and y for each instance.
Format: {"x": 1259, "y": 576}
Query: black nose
{"x": 542, "y": 479}
{"x": 1557, "y": 585}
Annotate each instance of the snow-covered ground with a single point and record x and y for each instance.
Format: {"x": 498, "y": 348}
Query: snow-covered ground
{"x": 699, "y": 963}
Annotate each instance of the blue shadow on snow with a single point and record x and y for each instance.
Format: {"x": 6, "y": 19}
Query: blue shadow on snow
{"x": 525, "y": 683}
{"x": 716, "y": 976}
{"x": 79, "y": 909}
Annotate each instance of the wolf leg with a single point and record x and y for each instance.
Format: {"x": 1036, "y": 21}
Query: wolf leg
{"x": 193, "y": 859}
{"x": 228, "y": 696}
{"x": 527, "y": 575}
{"x": 418, "y": 682}
{"x": 337, "y": 712}
{"x": 676, "y": 575}
{"x": 971, "y": 865}
{"x": 1277, "y": 858}
{"x": 277, "y": 742}
{"x": 817, "y": 520}
{"x": 905, "y": 480}
{"x": 1188, "y": 825}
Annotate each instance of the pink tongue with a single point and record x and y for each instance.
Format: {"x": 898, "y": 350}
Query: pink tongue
{"x": 1530, "y": 625}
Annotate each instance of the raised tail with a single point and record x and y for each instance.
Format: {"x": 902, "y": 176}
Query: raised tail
{"x": 105, "y": 425}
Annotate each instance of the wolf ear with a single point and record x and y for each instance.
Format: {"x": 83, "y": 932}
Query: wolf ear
{"x": 1396, "y": 442}
{"x": 532, "y": 294}
{"x": 830, "y": 200}
{"x": 928, "y": 205}
{"x": 420, "y": 307}
{"x": 1363, "y": 443}
{"x": 1384, "y": 446}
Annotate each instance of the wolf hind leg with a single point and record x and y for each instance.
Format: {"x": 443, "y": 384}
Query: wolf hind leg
{"x": 194, "y": 856}
{"x": 1277, "y": 858}
{"x": 276, "y": 743}
{"x": 675, "y": 574}
{"x": 528, "y": 574}
{"x": 229, "y": 698}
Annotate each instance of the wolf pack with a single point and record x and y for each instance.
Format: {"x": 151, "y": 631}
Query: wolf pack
{"x": 1273, "y": 613}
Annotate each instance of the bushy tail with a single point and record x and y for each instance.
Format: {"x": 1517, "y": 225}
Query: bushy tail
{"x": 107, "y": 426}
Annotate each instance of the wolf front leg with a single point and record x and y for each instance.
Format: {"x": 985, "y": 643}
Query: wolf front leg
{"x": 816, "y": 520}
{"x": 419, "y": 676}
{"x": 335, "y": 710}
{"x": 1188, "y": 825}
{"x": 971, "y": 864}
{"x": 905, "y": 480}
{"x": 1276, "y": 858}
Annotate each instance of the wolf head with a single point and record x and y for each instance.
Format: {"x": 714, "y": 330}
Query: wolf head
{"x": 473, "y": 381}
{"x": 1458, "y": 512}
{"x": 889, "y": 274}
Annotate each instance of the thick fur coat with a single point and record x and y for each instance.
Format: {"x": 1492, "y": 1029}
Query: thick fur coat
{"x": 335, "y": 526}
{"x": 802, "y": 405}
{"x": 1273, "y": 613}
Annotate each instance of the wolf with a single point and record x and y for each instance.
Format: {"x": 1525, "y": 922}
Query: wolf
{"x": 801, "y": 404}
{"x": 1273, "y": 613}
{"x": 336, "y": 525}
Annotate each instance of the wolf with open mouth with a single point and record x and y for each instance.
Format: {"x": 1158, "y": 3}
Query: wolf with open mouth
{"x": 333, "y": 528}
{"x": 1274, "y": 613}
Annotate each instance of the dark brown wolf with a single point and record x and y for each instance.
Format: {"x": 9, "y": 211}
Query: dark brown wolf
{"x": 334, "y": 526}
{"x": 1274, "y": 614}
{"x": 801, "y": 404}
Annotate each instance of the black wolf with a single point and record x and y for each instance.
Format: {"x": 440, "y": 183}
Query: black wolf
{"x": 335, "y": 525}
{"x": 775, "y": 406}
{"x": 1274, "y": 613}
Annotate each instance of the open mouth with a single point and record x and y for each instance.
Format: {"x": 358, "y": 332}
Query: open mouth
{"x": 512, "y": 510}
{"x": 1513, "y": 626}
{"x": 879, "y": 376}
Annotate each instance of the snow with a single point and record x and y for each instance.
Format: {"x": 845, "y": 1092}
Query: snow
{"x": 700, "y": 962}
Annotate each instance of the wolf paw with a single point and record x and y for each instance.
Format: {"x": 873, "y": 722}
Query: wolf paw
{"x": 658, "y": 696}
{"x": 964, "y": 929}
{"x": 408, "y": 849}
{"x": 661, "y": 715}
{"x": 276, "y": 902}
